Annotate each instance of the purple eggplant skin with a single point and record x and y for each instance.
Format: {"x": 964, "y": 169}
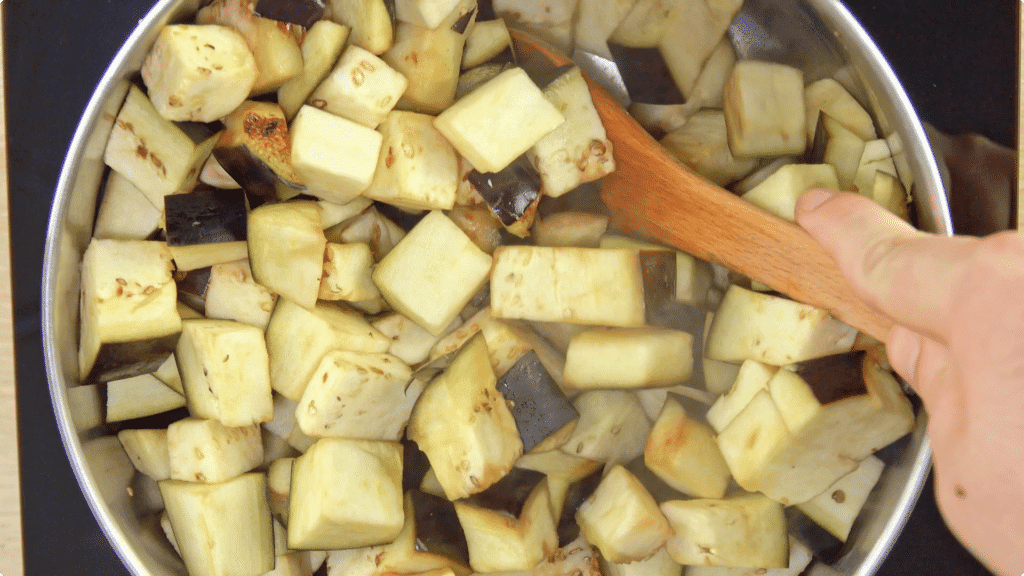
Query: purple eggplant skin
{"x": 578, "y": 491}
{"x": 824, "y": 546}
{"x": 120, "y": 360}
{"x": 437, "y": 528}
{"x": 251, "y": 173}
{"x": 658, "y": 270}
{"x": 305, "y": 13}
{"x": 539, "y": 406}
{"x": 645, "y": 75}
{"x": 206, "y": 218}
{"x": 192, "y": 286}
{"x": 510, "y": 493}
{"x": 816, "y": 152}
{"x": 511, "y": 193}
{"x": 460, "y": 25}
{"x": 833, "y": 378}
{"x": 414, "y": 465}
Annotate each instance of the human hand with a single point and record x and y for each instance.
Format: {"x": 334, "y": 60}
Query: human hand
{"x": 958, "y": 308}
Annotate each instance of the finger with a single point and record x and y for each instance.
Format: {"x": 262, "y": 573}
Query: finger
{"x": 924, "y": 363}
{"x": 905, "y": 273}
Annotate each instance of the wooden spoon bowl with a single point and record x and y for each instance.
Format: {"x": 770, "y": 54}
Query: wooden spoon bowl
{"x": 655, "y": 196}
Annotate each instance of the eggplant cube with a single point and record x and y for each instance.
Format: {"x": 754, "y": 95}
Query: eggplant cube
{"x": 612, "y": 426}
{"x": 770, "y": 329}
{"x": 129, "y": 316}
{"x": 702, "y": 143}
{"x": 747, "y": 530}
{"x": 487, "y": 40}
{"x": 155, "y": 155}
{"x": 513, "y": 194}
{"x": 279, "y": 486}
{"x": 372, "y": 22}
{"x": 409, "y": 342}
{"x": 629, "y": 358}
{"x": 779, "y": 192}
{"x": 304, "y": 13}
{"x": 430, "y": 60}
{"x": 374, "y": 402}
{"x": 418, "y": 168}
{"x": 836, "y": 508}
{"x": 622, "y": 520}
{"x": 233, "y": 294}
{"x": 321, "y": 48}
{"x": 506, "y": 343}
{"x": 206, "y": 228}
{"x": 579, "y": 151}
{"x": 425, "y": 13}
{"x": 576, "y": 285}
{"x": 298, "y": 339}
{"x": 496, "y": 123}
{"x": 347, "y": 269}
{"x": 828, "y": 96}
{"x": 661, "y": 564}
{"x": 498, "y": 543}
{"x": 125, "y": 213}
{"x": 255, "y": 149}
{"x": 693, "y": 30}
{"x": 138, "y": 397}
{"x": 683, "y": 453}
{"x": 361, "y": 88}
{"x": 764, "y": 110}
{"x": 336, "y": 156}
{"x": 464, "y": 426}
{"x": 286, "y": 250}
{"x": 839, "y": 146}
{"x": 222, "y": 529}
{"x": 432, "y": 273}
{"x": 147, "y": 449}
{"x": 198, "y": 73}
{"x": 539, "y": 407}
{"x": 346, "y": 494}
{"x": 207, "y": 451}
{"x": 753, "y": 438}
{"x": 225, "y": 371}
{"x": 751, "y": 378}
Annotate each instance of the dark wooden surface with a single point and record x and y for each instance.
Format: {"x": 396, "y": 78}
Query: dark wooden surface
{"x": 958, "y": 61}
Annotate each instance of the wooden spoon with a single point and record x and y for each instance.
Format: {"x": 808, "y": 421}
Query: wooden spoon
{"x": 655, "y": 196}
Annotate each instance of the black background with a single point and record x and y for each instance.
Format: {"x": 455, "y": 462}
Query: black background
{"x": 957, "y": 61}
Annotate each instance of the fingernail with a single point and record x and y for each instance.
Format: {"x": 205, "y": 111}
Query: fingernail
{"x": 812, "y": 199}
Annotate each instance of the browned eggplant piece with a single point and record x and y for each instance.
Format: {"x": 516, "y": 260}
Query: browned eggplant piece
{"x": 578, "y": 491}
{"x": 512, "y": 194}
{"x": 539, "y": 406}
{"x": 192, "y": 286}
{"x": 833, "y": 378}
{"x": 302, "y": 12}
{"x": 509, "y": 494}
{"x": 824, "y": 546}
{"x": 147, "y": 355}
{"x": 646, "y": 75}
{"x": 206, "y": 227}
{"x": 255, "y": 149}
{"x": 414, "y": 465}
{"x": 437, "y": 527}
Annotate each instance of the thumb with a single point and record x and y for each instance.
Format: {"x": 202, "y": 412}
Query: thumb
{"x": 905, "y": 273}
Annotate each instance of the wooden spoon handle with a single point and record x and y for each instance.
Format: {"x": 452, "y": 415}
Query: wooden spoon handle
{"x": 655, "y": 196}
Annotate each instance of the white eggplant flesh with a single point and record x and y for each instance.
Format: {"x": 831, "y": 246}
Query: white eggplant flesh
{"x": 286, "y": 250}
{"x": 203, "y": 450}
{"x": 138, "y": 397}
{"x": 622, "y": 520}
{"x": 147, "y": 449}
{"x": 361, "y": 88}
{"x": 764, "y": 110}
{"x": 742, "y": 531}
{"x": 321, "y": 48}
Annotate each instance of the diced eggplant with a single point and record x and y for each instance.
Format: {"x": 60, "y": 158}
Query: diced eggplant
{"x": 436, "y": 527}
{"x": 284, "y": 425}
{"x": 509, "y": 494}
{"x": 370, "y": 227}
{"x": 206, "y": 228}
{"x": 660, "y": 564}
{"x": 839, "y": 146}
{"x": 823, "y": 545}
{"x": 764, "y": 111}
{"x": 612, "y": 426}
{"x": 256, "y": 149}
{"x": 538, "y": 405}
{"x": 622, "y": 520}
{"x": 837, "y": 508}
{"x": 147, "y": 449}
{"x": 551, "y": 21}
{"x": 332, "y": 214}
{"x": 480, "y": 224}
{"x": 409, "y": 342}
{"x": 760, "y": 175}
{"x": 779, "y": 192}
{"x": 125, "y": 213}
{"x": 580, "y": 229}
{"x": 156, "y": 155}
{"x": 426, "y": 13}
{"x": 408, "y": 277}
{"x": 828, "y": 96}
{"x": 346, "y": 494}
{"x": 346, "y": 276}
{"x": 489, "y": 40}
{"x": 361, "y": 87}
{"x": 499, "y": 121}
{"x": 286, "y": 249}
{"x": 833, "y": 378}
{"x": 138, "y": 397}
{"x": 708, "y": 92}
{"x": 629, "y": 358}
{"x": 877, "y": 157}
{"x": 890, "y": 193}
{"x": 575, "y": 495}
{"x": 206, "y": 451}
{"x": 512, "y": 193}
{"x": 645, "y": 74}
{"x": 692, "y": 31}
{"x": 462, "y": 18}
{"x": 277, "y": 53}
{"x": 279, "y": 486}
{"x": 660, "y": 490}
{"x": 414, "y": 465}
{"x": 643, "y": 24}
{"x": 233, "y": 294}
{"x": 235, "y": 537}
{"x": 658, "y": 269}
{"x": 472, "y": 78}
{"x": 595, "y": 22}
{"x": 591, "y": 286}
{"x": 225, "y": 371}
{"x": 682, "y": 452}
{"x": 747, "y": 530}
{"x": 372, "y": 22}
{"x": 192, "y": 287}
{"x": 214, "y": 175}
{"x": 129, "y": 317}
{"x": 476, "y": 443}
{"x": 336, "y": 157}
{"x": 198, "y": 73}
{"x": 751, "y": 378}
{"x": 418, "y": 169}
{"x": 799, "y": 559}
{"x": 321, "y": 46}
{"x": 305, "y": 13}
{"x": 430, "y": 59}
{"x": 702, "y": 143}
